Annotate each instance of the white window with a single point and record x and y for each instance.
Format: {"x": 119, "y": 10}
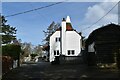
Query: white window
{"x": 56, "y": 52}
{"x": 57, "y": 39}
{"x": 71, "y": 52}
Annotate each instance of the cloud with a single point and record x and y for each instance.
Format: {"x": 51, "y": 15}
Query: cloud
{"x": 95, "y": 12}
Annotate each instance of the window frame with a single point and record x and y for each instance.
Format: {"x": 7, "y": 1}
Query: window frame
{"x": 68, "y": 52}
{"x": 57, "y": 39}
{"x": 56, "y": 52}
{"x": 71, "y": 52}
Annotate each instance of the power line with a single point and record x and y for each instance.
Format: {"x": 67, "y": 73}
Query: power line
{"x": 102, "y": 16}
{"x": 34, "y": 9}
{"x": 37, "y": 11}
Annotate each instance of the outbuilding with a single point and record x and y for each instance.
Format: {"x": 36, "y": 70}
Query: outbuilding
{"x": 103, "y": 45}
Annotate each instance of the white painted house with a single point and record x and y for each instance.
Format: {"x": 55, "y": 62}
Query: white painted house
{"x": 65, "y": 41}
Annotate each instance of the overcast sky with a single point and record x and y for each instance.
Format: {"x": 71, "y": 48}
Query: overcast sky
{"x": 30, "y": 25}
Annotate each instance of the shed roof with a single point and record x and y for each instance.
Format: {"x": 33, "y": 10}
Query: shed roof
{"x": 105, "y": 33}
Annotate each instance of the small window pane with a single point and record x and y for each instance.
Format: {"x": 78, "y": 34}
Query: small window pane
{"x": 54, "y": 52}
{"x": 73, "y": 52}
{"x": 57, "y": 52}
{"x": 59, "y": 39}
{"x": 68, "y": 52}
{"x": 56, "y": 39}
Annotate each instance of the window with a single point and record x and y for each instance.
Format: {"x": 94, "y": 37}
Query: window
{"x": 57, "y": 39}
{"x": 68, "y": 52}
{"x": 71, "y": 52}
{"x": 56, "y": 52}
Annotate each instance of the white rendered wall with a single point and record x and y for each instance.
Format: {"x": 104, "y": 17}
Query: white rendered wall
{"x": 54, "y": 45}
{"x": 73, "y": 42}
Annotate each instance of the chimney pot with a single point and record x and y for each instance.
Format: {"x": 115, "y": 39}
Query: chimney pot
{"x": 63, "y": 19}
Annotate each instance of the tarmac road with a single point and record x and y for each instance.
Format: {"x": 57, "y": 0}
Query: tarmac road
{"x": 46, "y": 71}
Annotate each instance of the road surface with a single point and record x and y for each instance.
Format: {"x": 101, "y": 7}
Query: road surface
{"x": 46, "y": 71}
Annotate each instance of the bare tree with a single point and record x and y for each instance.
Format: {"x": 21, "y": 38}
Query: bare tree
{"x": 26, "y": 47}
{"x": 38, "y": 50}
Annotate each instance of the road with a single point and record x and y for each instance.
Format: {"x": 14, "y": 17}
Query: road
{"x": 46, "y": 71}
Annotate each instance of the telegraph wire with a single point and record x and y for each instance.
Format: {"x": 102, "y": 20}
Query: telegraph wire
{"x": 35, "y": 9}
{"x": 60, "y": 3}
{"x": 101, "y": 17}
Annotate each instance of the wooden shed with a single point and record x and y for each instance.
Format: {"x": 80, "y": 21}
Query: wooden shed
{"x": 104, "y": 43}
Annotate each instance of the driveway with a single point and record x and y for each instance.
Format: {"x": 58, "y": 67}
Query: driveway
{"x": 46, "y": 71}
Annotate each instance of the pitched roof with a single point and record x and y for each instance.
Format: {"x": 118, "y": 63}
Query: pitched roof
{"x": 68, "y": 24}
{"x": 59, "y": 29}
{"x": 68, "y": 27}
{"x": 110, "y": 31}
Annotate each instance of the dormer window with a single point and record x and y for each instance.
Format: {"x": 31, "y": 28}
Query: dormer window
{"x": 57, "y": 39}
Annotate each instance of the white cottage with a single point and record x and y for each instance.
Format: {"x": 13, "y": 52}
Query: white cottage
{"x": 65, "y": 41}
